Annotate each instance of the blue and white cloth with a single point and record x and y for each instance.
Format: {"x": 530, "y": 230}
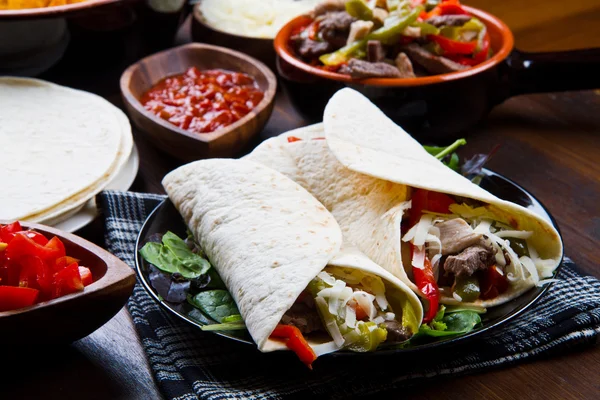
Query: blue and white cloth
{"x": 189, "y": 364}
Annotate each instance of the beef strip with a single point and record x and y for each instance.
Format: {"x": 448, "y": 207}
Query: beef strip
{"x": 396, "y": 332}
{"x": 311, "y": 48}
{"x": 334, "y": 27}
{"x": 456, "y": 235}
{"x": 359, "y": 69}
{"x": 404, "y": 66}
{"x": 432, "y": 63}
{"x": 375, "y": 51}
{"x": 477, "y": 257}
{"x": 448, "y": 20}
{"x": 303, "y": 315}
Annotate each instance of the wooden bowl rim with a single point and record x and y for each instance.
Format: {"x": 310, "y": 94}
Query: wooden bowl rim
{"x": 488, "y": 19}
{"x": 269, "y": 94}
{"x": 199, "y": 17}
{"x": 116, "y": 270}
{"x": 56, "y": 11}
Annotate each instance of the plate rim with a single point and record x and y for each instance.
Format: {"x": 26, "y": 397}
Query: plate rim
{"x": 446, "y": 343}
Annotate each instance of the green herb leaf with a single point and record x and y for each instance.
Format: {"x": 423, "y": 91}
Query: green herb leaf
{"x": 462, "y": 322}
{"x": 217, "y": 304}
{"x": 173, "y": 256}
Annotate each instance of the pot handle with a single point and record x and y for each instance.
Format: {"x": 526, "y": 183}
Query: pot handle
{"x": 553, "y": 71}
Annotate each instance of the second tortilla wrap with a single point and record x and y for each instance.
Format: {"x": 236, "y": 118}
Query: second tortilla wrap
{"x": 268, "y": 238}
{"x": 363, "y": 173}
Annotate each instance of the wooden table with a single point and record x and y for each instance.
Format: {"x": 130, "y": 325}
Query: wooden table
{"x": 550, "y": 145}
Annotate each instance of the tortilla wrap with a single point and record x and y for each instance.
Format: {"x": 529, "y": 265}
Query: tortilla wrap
{"x": 61, "y": 147}
{"x": 267, "y": 238}
{"x": 362, "y": 172}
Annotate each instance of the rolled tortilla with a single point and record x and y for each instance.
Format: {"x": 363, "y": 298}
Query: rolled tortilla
{"x": 363, "y": 171}
{"x": 266, "y": 236}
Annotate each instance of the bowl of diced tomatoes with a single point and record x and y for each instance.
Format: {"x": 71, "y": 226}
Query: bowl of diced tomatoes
{"x": 56, "y": 282}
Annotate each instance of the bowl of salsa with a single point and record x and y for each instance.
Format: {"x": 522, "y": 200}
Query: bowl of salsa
{"x": 197, "y": 101}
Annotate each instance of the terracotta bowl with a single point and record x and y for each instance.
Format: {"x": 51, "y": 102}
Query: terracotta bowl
{"x": 71, "y": 317}
{"x": 441, "y": 107}
{"x": 259, "y": 48}
{"x": 180, "y": 143}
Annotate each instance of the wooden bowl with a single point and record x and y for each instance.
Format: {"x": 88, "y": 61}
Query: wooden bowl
{"x": 259, "y": 48}
{"x": 178, "y": 142}
{"x": 71, "y": 317}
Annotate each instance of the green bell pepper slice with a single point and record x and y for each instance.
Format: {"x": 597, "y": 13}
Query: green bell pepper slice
{"x": 359, "y": 9}
{"x": 393, "y": 27}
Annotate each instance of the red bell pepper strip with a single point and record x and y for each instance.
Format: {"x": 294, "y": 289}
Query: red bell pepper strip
{"x": 295, "y": 342}
{"x": 453, "y": 46}
{"x": 450, "y": 7}
{"x": 313, "y": 30}
{"x": 423, "y": 199}
{"x": 13, "y": 297}
{"x": 492, "y": 283}
{"x": 426, "y": 283}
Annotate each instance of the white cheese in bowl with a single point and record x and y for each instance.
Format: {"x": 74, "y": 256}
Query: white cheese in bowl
{"x": 253, "y": 18}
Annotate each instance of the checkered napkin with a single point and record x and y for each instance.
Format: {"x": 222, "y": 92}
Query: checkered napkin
{"x": 188, "y": 363}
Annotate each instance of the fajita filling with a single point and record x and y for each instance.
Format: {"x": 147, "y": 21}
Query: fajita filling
{"x": 459, "y": 248}
{"x": 356, "y": 309}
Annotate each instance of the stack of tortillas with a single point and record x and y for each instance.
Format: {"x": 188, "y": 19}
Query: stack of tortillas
{"x": 58, "y": 148}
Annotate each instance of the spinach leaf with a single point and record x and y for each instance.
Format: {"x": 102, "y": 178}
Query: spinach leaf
{"x": 462, "y": 322}
{"x": 217, "y": 304}
{"x": 173, "y": 256}
{"x": 456, "y": 323}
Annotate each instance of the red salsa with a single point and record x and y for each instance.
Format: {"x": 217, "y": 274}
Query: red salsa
{"x": 203, "y": 101}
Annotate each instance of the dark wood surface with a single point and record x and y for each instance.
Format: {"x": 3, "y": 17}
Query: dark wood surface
{"x": 549, "y": 144}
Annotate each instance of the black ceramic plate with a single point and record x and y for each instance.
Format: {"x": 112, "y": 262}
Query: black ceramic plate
{"x": 165, "y": 217}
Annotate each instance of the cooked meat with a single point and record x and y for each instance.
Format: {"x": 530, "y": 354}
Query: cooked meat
{"x": 404, "y": 66}
{"x": 448, "y": 20}
{"x": 335, "y": 27}
{"x": 379, "y": 16}
{"x": 326, "y": 6}
{"x": 375, "y": 51}
{"x": 432, "y": 63}
{"x": 456, "y": 235}
{"x": 471, "y": 259}
{"x": 363, "y": 69}
{"x": 396, "y": 332}
{"x": 358, "y": 30}
{"x": 303, "y": 316}
{"x": 311, "y": 48}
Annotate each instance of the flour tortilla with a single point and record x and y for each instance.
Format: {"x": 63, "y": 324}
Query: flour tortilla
{"x": 60, "y": 147}
{"x": 363, "y": 172}
{"x": 266, "y": 236}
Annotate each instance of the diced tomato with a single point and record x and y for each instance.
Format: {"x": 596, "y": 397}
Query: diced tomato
{"x": 292, "y": 139}
{"x": 36, "y": 237}
{"x": 425, "y": 281}
{"x": 67, "y": 281}
{"x": 86, "y": 276}
{"x": 492, "y": 282}
{"x": 9, "y": 273}
{"x": 14, "y": 297}
{"x": 63, "y": 262}
{"x": 22, "y": 245}
{"x": 7, "y": 232}
{"x": 35, "y": 274}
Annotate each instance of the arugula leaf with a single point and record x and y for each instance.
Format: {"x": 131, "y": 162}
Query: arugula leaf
{"x": 173, "y": 256}
{"x": 217, "y": 304}
{"x": 442, "y": 153}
